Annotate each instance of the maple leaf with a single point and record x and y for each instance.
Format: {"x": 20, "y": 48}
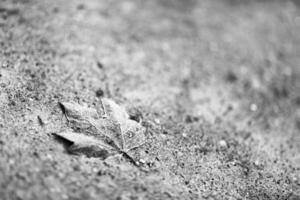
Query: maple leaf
{"x": 101, "y": 132}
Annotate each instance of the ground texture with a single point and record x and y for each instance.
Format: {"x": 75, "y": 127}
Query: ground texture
{"x": 217, "y": 84}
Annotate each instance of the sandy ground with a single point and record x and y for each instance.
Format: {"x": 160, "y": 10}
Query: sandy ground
{"x": 217, "y": 84}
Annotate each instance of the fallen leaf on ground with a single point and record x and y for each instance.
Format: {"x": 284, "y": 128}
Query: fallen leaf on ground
{"x": 101, "y": 132}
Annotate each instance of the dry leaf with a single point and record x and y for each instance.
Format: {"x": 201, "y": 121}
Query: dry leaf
{"x": 82, "y": 144}
{"x": 132, "y": 131}
{"x": 101, "y": 135}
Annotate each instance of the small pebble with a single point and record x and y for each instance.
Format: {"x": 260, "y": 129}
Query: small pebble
{"x": 231, "y": 77}
{"x": 49, "y": 157}
{"x": 223, "y": 143}
{"x": 179, "y": 154}
{"x": 142, "y": 161}
{"x": 135, "y": 114}
{"x": 256, "y": 163}
{"x": 253, "y": 107}
{"x": 41, "y": 121}
{"x": 99, "y": 93}
{"x": 95, "y": 170}
{"x": 157, "y": 121}
{"x": 294, "y": 179}
{"x": 11, "y": 162}
{"x": 99, "y": 65}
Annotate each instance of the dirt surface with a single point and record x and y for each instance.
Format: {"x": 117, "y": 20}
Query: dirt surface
{"x": 217, "y": 84}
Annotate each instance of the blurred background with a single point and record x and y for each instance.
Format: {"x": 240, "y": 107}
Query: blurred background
{"x": 217, "y": 81}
